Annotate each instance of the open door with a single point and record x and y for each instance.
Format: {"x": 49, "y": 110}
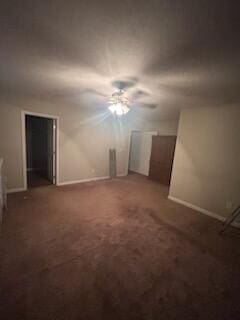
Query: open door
{"x": 51, "y": 127}
{"x": 54, "y": 139}
{"x": 162, "y": 155}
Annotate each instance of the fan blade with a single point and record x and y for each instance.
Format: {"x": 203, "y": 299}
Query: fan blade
{"x": 139, "y": 94}
{"x": 95, "y": 92}
{"x": 145, "y": 105}
{"x": 124, "y": 84}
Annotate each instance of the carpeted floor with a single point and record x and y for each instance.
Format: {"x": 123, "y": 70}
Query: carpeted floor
{"x": 115, "y": 249}
{"x": 37, "y": 179}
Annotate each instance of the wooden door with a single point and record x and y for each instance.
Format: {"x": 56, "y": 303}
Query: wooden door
{"x": 161, "y": 161}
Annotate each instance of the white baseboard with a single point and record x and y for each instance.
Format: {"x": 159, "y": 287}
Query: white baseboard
{"x": 89, "y": 180}
{"x": 13, "y": 190}
{"x": 204, "y": 211}
{"x": 122, "y": 174}
{"x": 82, "y": 180}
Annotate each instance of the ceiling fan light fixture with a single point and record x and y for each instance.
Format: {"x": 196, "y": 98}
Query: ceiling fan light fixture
{"x": 119, "y": 109}
{"x": 119, "y": 103}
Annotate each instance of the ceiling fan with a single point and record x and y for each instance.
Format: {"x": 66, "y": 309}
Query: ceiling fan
{"x": 119, "y": 103}
{"x": 122, "y": 99}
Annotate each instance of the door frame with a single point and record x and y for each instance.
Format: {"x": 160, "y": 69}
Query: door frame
{"x": 25, "y": 113}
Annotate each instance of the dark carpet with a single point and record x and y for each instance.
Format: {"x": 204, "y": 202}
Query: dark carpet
{"x": 115, "y": 249}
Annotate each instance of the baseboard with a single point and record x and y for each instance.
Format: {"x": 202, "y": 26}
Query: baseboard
{"x": 122, "y": 174}
{"x": 204, "y": 211}
{"x": 82, "y": 180}
{"x": 89, "y": 180}
{"x": 13, "y": 190}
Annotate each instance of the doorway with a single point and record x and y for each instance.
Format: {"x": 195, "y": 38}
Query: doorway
{"x": 140, "y": 151}
{"x": 40, "y": 150}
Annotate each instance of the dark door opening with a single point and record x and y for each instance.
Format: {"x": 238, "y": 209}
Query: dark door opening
{"x": 40, "y": 149}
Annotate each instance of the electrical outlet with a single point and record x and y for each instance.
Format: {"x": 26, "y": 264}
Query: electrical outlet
{"x": 229, "y": 205}
{"x": 93, "y": 170}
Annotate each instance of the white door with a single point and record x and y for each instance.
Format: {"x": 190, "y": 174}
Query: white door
{"x": 146, "y": 148}
{"x": 140, "y": 151}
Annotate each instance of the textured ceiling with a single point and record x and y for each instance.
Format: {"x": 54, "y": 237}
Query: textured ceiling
{"x": 182, "y": 53}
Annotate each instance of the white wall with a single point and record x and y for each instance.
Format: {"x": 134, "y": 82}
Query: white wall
{"x": 85, "y": 138}
{"x": 84, "y": 141}
{"x": 206, "y": 170}
{"x": 164, "y": 127}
